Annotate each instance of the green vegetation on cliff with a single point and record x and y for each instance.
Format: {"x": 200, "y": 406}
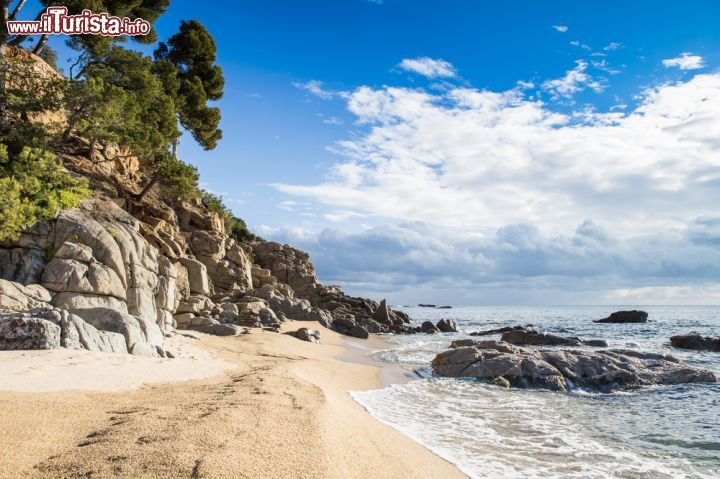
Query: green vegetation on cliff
{"x": 34, "y": 187}
{"x": 113, "y": 95}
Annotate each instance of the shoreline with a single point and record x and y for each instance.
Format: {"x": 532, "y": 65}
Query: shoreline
{"x": 274, "y": 407}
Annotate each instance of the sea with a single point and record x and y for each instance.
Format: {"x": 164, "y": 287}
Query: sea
{"x": 491, "y": 432}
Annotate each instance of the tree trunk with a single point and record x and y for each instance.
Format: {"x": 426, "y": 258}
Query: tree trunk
{"x": 40, "y": 45}
{"x": 16, "y": 10}
{"x": 4, "y": 17}
{"x": 147, "y": 188}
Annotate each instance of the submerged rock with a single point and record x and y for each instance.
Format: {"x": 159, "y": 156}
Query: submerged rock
{"x": 696, "y": 342}
{"x": 634, "y": 316}
{"x": 561, "y": 370}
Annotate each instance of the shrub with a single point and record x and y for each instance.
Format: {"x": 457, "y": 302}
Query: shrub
{"x": 234, "y": 226}
{"x": 34, "y": 187}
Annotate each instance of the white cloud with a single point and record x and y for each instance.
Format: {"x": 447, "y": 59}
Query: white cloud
{"x": 686, "y": 61}
{"x": 574, "y": 81}
{"x": 316, "y": 88}
{"x": 612, "y": 46}
{"x": 429, "y": 67}
{"x": 489, "y": 188}
{"x": 560, "y": 28}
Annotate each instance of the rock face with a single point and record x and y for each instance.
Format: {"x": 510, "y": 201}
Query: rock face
{"x": 696, "y": 342}
{"x": 282, "y": 264}
{"x": 529, "y": 337}
{"x": 53, "y": 328}
{"x": 634, "y": 316}
{"x": 560, "y": 370}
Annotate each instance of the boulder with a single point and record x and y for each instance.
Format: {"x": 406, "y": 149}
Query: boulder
{"x": 307, "y": 334}
{"x": 77, "y": 334}
{"x": 23, "y": 331}
{"x": 292, "y": 308}
{"x": 528, "y": 337}
{"x": 696, "y": 341}
{"x": 502, "y": 330}
{"x": 428, "y": 327}
{"x": 447, "y": 326}
{"x": 633, "y": 316}
{"x": 221, "y": 329}
{"x": 600, "y": 371}
{"x": 141, "y": 337}
{"x": 255, "y": 312}
{"x": 381, "y": 314}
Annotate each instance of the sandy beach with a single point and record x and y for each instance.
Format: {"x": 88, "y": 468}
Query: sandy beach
{"x": 253, "y": 406}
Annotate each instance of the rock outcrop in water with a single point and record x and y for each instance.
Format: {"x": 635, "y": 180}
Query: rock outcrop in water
{"x": 529, "y": 337}
{"x": 634, "y": 316}
{"x": 562, "y": 370}
{"x": 490, "y": 332}
{"x": 696, "y": 341}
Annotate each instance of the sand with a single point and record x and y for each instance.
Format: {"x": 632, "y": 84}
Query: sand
{"x": 263, "y": 405}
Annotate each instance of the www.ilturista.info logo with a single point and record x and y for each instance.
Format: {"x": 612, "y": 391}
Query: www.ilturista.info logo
{"x": 56, "y": 21}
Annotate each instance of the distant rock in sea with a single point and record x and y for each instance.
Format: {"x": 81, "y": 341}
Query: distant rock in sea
{"x": 421, "y": 305}
{"x": 634, "y": 316}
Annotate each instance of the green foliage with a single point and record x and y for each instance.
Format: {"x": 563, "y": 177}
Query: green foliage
{"x": 120, "y": 99}
{"x": 26, "y": 96}
{"x": 234, "y": 226}
{"x": 148, "y": 10}
{"x": 176, "y": 178}
{"x": 194, "y": 81}
{"x": 34, "y": 187}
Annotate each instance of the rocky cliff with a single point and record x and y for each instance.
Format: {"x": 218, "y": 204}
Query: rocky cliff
{"x": 116, "y": 275}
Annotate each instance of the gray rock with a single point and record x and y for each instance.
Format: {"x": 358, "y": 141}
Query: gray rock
{"x": 633, "y": 316}
{"x": 197, "y": 276}
{"x": 72, "y": 301}
{"x": 535, "y": 338}
{"x": 602, "y": 371}
{"x": 429, "y": 328}
{"x": 381, "y": 314}
{"x": 21, "y": 331}
{"x": 696, "y": 341}
{"x": 447, "y": 326}
{"x": 489, "y": 332}
{"x": 220, "y": 329}
{"x": 307, "y": 334}
{"x": 16, "y": 297}
{"x": 141, "y": 337}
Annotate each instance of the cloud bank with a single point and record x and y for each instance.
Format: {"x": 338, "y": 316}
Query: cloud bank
{"x": 483, "y": 189}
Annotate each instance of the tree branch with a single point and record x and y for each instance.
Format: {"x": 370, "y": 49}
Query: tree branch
{"x": 40, "y": 45}
{"x": 16, "y": 10}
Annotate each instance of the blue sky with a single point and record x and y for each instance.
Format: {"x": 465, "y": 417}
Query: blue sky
{"x": 475, "y": 152}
